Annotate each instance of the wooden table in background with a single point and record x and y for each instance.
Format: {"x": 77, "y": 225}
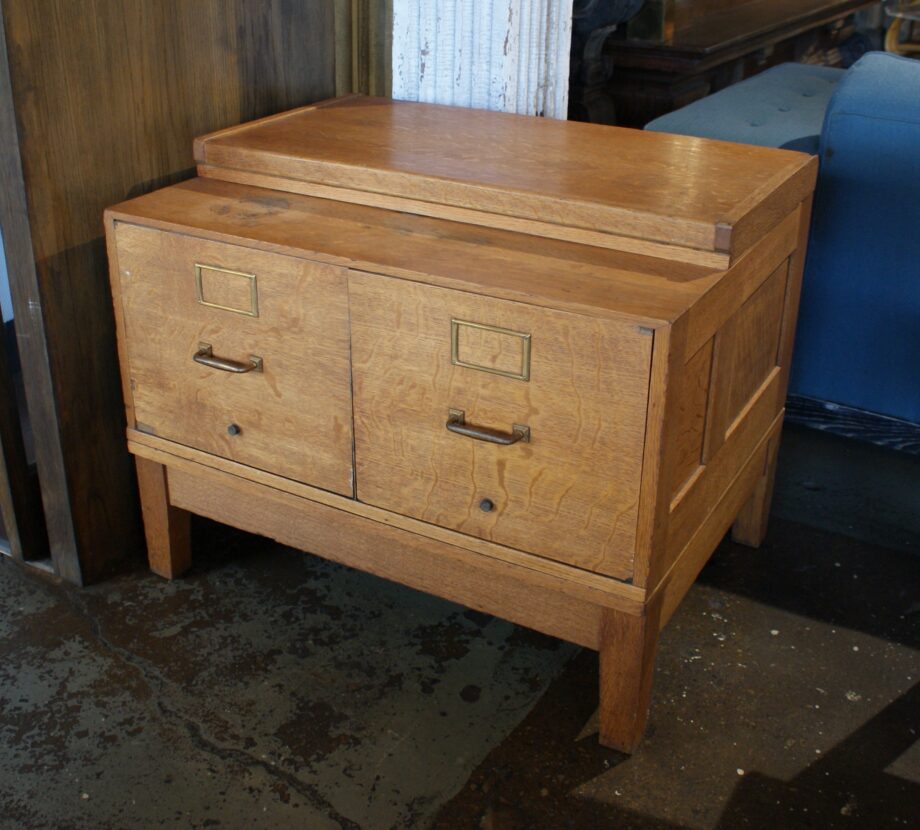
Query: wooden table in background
{"x": 678, "y": 51}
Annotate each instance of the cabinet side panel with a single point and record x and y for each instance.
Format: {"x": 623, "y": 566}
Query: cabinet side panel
{"x": 745, "y": 397}
{"x": 730, "y": 391}
{"x": 690, "y": 416}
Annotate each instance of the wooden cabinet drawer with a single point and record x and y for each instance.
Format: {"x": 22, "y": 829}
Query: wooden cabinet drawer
{"x": 292, "y": 414}
{"x": 580, "y": 384}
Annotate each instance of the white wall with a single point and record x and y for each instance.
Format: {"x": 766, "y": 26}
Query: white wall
{"x": 509, "y": 55}
{"x": 6, "y": 304}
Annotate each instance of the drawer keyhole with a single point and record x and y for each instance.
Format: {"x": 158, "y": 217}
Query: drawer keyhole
{"x": 486, "y": 505}
{"x": 234, "y": 429}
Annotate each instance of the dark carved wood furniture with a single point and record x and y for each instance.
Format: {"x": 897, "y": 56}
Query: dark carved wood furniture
{"x": 677, "y": 51}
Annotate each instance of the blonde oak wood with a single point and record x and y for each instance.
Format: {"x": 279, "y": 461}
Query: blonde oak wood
{"x": 667, "y": 189}
{"x": 746, "y": 317}
{"x": 117, "y": 306}
{"x": 750, "y": 525}
{"x": 793, "y": 293}
{"x": 571, "y": 492}
{"x": 729, "y": 291}
{"x": 655, "y": 386}
{"x": 745, "y": 353}
{"x": 534, "y": 227}
{"x": 684, "y": 568}
{"x": 389, "y": 552}
{"x": 165, "y": 525}
{"x": 690, "y": 415}
{"x": 768, "y": 204}
{"x": 293, "y": 416}
{"x": 660, "y": 449}
{"x": 627, "y": 662}
{"x": 598, "y": 282}
{"x": 582, "y": 585}
{"x": 693, "y": 502}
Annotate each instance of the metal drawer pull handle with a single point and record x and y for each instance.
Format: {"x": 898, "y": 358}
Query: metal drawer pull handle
{"x": 206, "y": 357}
{"x": 456, "y": 422}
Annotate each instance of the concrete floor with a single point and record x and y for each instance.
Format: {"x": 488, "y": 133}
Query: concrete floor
{"x": 271, "y": 689}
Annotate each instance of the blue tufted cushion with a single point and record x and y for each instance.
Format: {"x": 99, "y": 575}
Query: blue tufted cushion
{"x": 858, "y": 340}
{"x": 782, "y": 107}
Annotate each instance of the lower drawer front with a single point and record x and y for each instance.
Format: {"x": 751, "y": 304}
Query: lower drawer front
{"x": 291, "y": 415}
{"x": 579, "y": 384}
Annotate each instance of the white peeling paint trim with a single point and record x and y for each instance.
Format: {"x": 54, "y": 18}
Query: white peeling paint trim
{"x": 509, "y": 55}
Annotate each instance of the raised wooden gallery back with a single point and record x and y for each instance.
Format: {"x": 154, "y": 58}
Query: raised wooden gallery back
{"x": 689, "y": 199}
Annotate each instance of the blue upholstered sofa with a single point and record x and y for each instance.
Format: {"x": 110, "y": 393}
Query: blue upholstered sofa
{"x": 858, "y": 339}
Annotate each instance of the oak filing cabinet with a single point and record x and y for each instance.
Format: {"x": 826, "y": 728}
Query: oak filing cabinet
{"x": 534, "y": 367}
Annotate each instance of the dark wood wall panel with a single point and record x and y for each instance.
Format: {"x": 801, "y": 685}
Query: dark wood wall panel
{"x": 364, "y": 46}
{"x": 103, "y": 100}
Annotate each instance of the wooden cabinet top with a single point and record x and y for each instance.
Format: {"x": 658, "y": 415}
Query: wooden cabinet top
{"x": 672, "y": 192}
{"x": 546, "y": 272}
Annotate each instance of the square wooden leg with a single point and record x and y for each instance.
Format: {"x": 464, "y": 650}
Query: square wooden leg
{"x": 166, "y": 527}
{"x": 750, "y": 526}
{"x": 627, "y": 661}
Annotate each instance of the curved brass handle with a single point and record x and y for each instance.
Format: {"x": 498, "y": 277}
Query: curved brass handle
{"x": 206, "y": 357}
{"x": 456, "y": 422}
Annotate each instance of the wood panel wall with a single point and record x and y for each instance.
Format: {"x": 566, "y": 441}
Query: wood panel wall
{"x": 100, "y": 101}
{"x": 363, "y": 46}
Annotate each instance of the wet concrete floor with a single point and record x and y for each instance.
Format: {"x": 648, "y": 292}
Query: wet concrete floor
{"x": 272, "y": 689}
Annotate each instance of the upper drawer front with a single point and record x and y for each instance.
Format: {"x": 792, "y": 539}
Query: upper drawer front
{"x": 580, "y": 384}
{"x": 287, "y": 317}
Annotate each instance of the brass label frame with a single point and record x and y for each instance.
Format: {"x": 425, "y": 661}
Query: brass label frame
{"x": 253, "y": 289}
{"x": 524, "y": 337}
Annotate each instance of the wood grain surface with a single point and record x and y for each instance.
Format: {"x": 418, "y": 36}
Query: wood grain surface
{"x": 627, "y": 663}
{"x": 746, "y": 352}
{"x": 589, "y": 280}
{"x": 750, "y": 525}
{"x": 103, "y": 100}
{"x": 681, "y": 570}
{"x": 723, "y": 374}
{"x": 690, "y": 428}
{"x": 574, "y": 582}
{"x": 481, "y": 583}
{"x": 669, "y": 189}
{"x": 416, "y": 207}
{"x": 571, "y": 493}
{"x": 651, "y": 390}
{"x": 363, "y": 46}
{"x": 294, "y": 416}
{"x": 167, "y": 527}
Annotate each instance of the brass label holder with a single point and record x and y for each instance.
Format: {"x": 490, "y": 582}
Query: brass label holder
{"x": 252, "y": 311}
{"x": 524, "y": 337}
